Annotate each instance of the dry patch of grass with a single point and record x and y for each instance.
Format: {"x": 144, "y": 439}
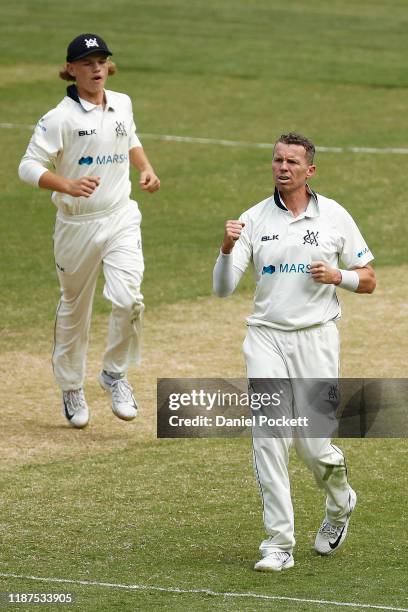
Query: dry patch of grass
{"x": 374, "y": 328}
{"x": 189, "y": 339}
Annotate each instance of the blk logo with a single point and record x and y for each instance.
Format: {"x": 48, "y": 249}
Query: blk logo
{"x": 273, "y": 237}
{"x": 268, "y": 269}
{"x": 86, "y": 132}
{"x": 311, "y": 238}
{"x": 87, "y": 161}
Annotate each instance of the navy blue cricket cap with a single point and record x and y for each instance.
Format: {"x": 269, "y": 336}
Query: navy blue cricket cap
{"x": 84, "y": 45}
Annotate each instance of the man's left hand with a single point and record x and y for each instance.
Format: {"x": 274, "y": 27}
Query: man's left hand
{"x": 149, "y": 181}
{"x": 322, "y": 273}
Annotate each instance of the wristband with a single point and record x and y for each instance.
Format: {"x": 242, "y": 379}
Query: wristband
{"x": 349, "y": 280}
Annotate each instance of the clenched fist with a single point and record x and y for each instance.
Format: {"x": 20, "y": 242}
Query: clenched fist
{"x": 232, "y": 232}
{"x": 322, "y": 273}
{"x": 149, "y": 181}
{"x": 83, "y": 187}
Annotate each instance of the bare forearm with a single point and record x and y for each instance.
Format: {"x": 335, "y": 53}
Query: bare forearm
{"x": 367, "y": 282}
{"x": 322, "y": 273}
{"x": 139, "y": 159}
{"x": 148, "y": 179}
{"x": 82, "y": 187}
{"x": 54, "y": 182}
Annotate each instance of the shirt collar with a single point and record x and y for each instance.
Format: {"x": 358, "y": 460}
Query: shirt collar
{"x": 312, "y": 209}
{"x": 72, "y": 92}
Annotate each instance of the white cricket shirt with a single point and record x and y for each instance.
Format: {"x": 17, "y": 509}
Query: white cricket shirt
{"x": 281, "y": 248}
{"x": 80, "y": 139}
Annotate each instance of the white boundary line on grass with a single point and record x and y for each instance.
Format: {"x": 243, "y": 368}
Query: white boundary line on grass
{"x": 242, "y": 143}
{"x": 149, "y": 587}
{"x": 269, "y": 145}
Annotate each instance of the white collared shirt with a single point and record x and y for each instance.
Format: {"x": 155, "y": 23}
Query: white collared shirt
{"x": 80, "y": 139}
{"x": 280, "y": 248}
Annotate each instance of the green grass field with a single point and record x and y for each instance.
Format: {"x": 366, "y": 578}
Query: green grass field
{"x": 127, "y": 509}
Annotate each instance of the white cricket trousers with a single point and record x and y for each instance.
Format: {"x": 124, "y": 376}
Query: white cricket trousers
{"x": 81, "y": 247}
{"x": 308, "y": 353}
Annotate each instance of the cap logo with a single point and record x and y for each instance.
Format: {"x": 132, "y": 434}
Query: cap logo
{"x": 91, "y": 42}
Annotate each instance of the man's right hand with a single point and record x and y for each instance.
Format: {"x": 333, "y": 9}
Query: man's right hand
{"x": 83, "y": 187}
{"x": 232, "y": 232}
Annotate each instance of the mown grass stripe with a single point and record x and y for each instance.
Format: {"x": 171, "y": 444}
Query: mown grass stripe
{"x": 241, "y": 143}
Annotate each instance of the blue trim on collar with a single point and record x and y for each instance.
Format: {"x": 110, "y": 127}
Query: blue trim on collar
{"x": 278, "y": 201}
{"x": 72, "y": 92}
{"x": 281, "y": 205}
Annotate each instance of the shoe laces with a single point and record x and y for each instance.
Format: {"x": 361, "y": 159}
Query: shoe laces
{"x": 75, "y": 400}
{"x": 330, "y": 531}
{"x": 122, "y": 390}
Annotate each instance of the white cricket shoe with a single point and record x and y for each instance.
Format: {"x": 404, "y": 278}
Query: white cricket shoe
{"x": 123, "y": 403}
{"x": 330, "y": 538}
{"x": 275, "y": 562}
{"x": 74, "y": 408}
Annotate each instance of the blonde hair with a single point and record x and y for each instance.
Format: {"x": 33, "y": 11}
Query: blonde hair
{"x": 64, "y": 74}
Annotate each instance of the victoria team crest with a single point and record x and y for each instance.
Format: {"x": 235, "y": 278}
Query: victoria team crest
{"x": 120, "y": 128}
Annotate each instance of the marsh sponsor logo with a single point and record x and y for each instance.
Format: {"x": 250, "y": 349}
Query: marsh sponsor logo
{"x": 268, "y": 269}
{"x": 87, "y": 161}
{"x": 363, "y": 252}
{"x": 294, "y": 268}
{"x": 103, "y": 160}
{"x": 287, "y": 268}
{"x": 41, "y": 126}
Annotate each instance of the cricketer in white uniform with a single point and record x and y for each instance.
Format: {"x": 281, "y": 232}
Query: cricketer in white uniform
{"x": 90, "y": 139}
{"x": 295, "y": 240}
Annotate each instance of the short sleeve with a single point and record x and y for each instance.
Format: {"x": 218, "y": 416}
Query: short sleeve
{"x": 46, "y": 141}
{"x": 43, "y": 148}
{"x": 354, "y": 252}
{"x": 133, "y": 138}
{"x": 242, "y": 251}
